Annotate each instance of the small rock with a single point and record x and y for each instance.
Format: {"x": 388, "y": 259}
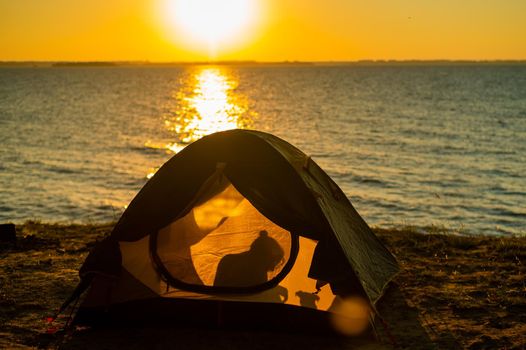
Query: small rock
{"x": 7, "y": 233}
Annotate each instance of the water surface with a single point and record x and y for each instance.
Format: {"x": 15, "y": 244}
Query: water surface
{"x": 409, "y": 145}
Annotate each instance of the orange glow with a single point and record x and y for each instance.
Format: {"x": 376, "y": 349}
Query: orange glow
{"x": 262, "y": 30}
{"x": 351, "y": 316}
{"x": 207, "y": 105}
{"x": 210, "y": 25}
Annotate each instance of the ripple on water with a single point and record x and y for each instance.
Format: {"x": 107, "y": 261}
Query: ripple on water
{"x": 405, "y": 146}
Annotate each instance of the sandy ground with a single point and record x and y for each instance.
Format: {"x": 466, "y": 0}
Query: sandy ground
{"x": 453, "y": 292}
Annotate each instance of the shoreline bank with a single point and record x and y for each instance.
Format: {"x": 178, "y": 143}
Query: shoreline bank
{"x": 468, "y": 291}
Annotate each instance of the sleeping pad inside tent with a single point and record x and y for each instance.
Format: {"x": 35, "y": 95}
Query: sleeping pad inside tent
{"x": 239, "y": 229}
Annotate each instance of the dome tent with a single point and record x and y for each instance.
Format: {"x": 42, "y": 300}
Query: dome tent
{"x": 239, "y": 223}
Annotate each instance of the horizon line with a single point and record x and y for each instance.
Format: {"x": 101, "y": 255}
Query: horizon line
{"x": 65, "y": 63}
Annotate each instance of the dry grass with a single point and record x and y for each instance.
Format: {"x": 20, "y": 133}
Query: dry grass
{"x": 471, "y": 287}
{"x": 468, "y": 291}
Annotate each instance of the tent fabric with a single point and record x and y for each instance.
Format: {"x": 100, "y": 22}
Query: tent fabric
{"x": 210, "y": 313}
{"x": 252, "y": 165}
{"x": 202, "y": 213}
{"x": 371, "y": 261}
{"x": 139, "y": 280}
{"x": 223, "y": 244}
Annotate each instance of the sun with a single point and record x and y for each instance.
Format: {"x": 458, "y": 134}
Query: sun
{"x": 214, "y": 26}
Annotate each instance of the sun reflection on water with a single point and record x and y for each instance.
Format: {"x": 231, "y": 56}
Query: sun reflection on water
{"x": 206, "y": 103}
{"x": 210, "y": 105}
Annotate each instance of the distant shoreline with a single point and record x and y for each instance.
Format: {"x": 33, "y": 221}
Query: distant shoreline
{"x": 69, "y": 64}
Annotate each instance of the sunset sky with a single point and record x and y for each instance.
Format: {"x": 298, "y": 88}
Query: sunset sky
{"x": 261, "y": 30}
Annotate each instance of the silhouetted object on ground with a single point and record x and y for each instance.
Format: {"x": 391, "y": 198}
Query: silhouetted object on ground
{"x": 308, "y": 299}
{"x": 7, "y": 233}
{"x": 250, "y": 268}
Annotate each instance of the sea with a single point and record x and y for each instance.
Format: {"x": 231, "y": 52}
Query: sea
{"x": 427, "y": 146}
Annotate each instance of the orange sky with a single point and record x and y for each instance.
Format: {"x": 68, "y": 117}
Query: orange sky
{"x": 305, "y": 30}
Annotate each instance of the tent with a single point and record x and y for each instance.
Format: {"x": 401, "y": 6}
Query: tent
{"x": 240, "y": 228}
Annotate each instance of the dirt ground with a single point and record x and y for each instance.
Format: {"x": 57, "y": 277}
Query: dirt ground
{"x": 453, "y": 292}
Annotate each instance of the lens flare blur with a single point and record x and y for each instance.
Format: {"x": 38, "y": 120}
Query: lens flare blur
{"x": 351, "y": 316}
